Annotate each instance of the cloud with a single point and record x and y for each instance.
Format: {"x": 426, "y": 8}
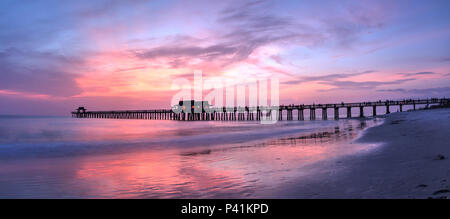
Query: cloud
{"x": 207, "y": 53}
{"x": 130, "y": 69}
{"x": 40, "y": 73}
{"x": 424, "y": 91}
{"x": 25, "y": 95}
{"x": 343, "y": 85}
{"x": 417, "y": 73}
{"x": 244, "y": 27}
{"x": 336, "y": 81}
{"x": 330, "y": 77}
{"x": 241, "y": 30}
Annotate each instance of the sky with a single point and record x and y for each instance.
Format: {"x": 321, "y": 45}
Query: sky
{"x": 58, "y": 55}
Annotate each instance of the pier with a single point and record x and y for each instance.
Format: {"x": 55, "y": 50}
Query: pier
{"x": 243, "y": 113}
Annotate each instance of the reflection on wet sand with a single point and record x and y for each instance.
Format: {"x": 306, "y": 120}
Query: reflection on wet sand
{"x": 224, "y": 171}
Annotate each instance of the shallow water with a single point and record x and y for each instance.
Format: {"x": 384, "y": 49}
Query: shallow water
{"x": 56, "y": 157}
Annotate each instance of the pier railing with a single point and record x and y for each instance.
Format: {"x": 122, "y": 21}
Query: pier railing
{"x": 242, "y": 113}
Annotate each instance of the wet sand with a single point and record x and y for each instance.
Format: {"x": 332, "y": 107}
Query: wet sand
{"x": 412, "y": 161}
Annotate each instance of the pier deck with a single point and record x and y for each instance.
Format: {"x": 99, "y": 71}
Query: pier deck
{"x": 257, "y": 112}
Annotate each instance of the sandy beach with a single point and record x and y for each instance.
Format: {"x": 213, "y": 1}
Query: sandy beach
{"x": 412, "y": 161}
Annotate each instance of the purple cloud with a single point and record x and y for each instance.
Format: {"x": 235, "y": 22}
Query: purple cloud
{"x": 330, "y": 77}
{"x": 26, "y": 72}
{"x": 244, "y": 27}
{"x": 417, "y": 73}
{"x": 345, "y": 85}
{"x": 425, "y": 91}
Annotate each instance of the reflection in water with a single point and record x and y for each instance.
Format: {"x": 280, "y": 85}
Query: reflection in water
{"x": 228, "y": 170}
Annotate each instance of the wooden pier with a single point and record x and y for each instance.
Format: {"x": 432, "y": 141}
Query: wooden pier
{"x": 257, "y": 113}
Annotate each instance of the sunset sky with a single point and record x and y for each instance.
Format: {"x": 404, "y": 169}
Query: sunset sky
{"x": 58, "y": 55}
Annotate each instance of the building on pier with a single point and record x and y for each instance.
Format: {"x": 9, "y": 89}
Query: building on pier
{"x": 191, "y": 106}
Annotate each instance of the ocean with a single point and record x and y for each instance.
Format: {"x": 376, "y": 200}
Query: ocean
{"x": 61, "y": 157}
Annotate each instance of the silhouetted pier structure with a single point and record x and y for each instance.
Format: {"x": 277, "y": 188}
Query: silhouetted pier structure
{"x": 254, "y": 113}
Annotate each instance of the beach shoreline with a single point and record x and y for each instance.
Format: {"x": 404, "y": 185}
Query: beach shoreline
{"x": 411, "y": 161}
